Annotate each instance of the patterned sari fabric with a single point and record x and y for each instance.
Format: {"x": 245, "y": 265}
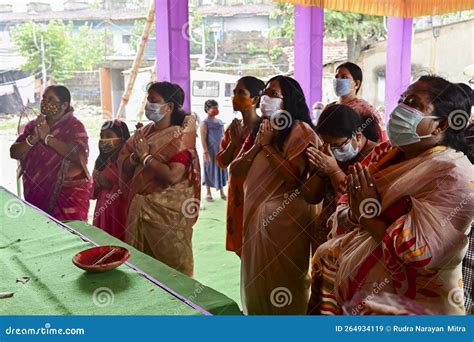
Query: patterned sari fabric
{"x": 427, "y": 204}
{"x": 161, "y": 216}
{"x": 276, "y": 242}
{"x": 44, "y": 172}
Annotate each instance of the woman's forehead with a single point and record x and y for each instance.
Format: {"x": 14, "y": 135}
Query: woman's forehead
{"x": 50, "y": 94}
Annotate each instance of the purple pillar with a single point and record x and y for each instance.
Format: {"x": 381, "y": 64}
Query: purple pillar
{"x": 398, "y": 67}
{"x": 309, "y": 33}
{"x": 172, "y": 44}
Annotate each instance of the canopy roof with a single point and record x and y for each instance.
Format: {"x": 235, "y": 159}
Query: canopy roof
{"x": 395, "y": 8}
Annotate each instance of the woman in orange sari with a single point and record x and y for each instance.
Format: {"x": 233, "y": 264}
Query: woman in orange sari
{"x": 402, "y": 226}
{"x": 277, "y": 219}
{"x": 159, "y": 171}
{"x": 245, "y": 100}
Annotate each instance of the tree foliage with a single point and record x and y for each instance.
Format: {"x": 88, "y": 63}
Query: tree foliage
{"x": 66, "y": 49}
{"x": 359, "y": 30}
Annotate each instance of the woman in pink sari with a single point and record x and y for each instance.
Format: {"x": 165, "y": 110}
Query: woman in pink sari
{"x": 53, "y": 151}
{"x": 402, "y": 227}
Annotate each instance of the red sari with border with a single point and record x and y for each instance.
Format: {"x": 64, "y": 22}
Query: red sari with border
{"x": 44, "y": 172}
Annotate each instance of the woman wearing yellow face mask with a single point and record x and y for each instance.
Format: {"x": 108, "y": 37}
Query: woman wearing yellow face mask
{"x": 110, "y": 211}
{"x": 239, "y": 135}
{"x": 53, "y": 152}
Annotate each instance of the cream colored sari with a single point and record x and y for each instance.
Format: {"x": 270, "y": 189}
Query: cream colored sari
{"x": 422, "y": 250}
{"x": 276, "y": 237}
{"x": 161, "y": 216}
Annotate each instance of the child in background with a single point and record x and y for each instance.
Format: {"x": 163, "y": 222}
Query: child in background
{"x": 111, "y": 208}
{"x": 212, "y": 131}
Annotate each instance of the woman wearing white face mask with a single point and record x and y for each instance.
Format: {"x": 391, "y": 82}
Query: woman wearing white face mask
{"x": 345, "y": 143}
{"x": 159, "y": 170}
{"x": 347, "y": 83}
{"x": 276, "y": 229}
{"x": 401, "y": 226}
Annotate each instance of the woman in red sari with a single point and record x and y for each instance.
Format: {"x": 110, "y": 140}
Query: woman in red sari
{"x": 160, "y": 173}
{"x": 53, "y": 151}
{"x": 110, "y": 211}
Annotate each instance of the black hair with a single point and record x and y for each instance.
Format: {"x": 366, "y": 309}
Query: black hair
{"x": 210, "y": 103}
{"x": 354, "y": 70}
{"x": 171, "y": 93}
{"x": 294, "y": 103}
{"x": 339, "y": 120}
{"x": 450, "y": 102}
{"x": 253, "y": 85}
{"x": 63, "y": 94}
{"x": 120, "y": 128}
{"x": 468, "y": 90}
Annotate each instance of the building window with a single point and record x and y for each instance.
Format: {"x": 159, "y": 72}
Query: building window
{"x": 229, "y": 89}
{"x": 206, "y": 88}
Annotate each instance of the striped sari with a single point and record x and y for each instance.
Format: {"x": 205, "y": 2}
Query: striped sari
{"x": 427, "y": 203}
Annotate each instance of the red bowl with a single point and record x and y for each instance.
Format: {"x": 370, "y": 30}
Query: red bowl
{"x": 101, "y": 259}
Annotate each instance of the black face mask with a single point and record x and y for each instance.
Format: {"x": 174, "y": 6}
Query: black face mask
{"x": 105, "y": 147}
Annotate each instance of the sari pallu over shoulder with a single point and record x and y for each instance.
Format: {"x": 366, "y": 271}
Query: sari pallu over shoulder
{"x": 423, "y": 247}
{"x": 161, "y": 216}
{"x": 44, "y": 171}
{"x": 276, "y": 248}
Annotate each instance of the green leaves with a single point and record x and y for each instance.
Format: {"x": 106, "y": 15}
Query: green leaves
{"x": 66, "y": 49}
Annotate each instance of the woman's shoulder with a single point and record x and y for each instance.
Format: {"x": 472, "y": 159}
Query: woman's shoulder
{"x": 303, "y": 132}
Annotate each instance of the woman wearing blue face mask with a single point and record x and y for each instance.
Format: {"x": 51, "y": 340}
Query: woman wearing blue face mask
{"x": 403, "y": 220}
{"x": 347, "y": 83}
{"x": 340, "y": 128}
{"x": 159, "y": 171}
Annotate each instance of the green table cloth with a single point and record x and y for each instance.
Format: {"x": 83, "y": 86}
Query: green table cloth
{"x": 35, "y": 264}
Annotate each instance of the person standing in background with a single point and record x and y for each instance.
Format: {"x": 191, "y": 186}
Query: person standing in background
{"x": 212, "y": 131}
{"x": 347, "y": 83}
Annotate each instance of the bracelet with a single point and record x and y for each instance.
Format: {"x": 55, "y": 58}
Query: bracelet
{"x": 335, "y": 173}
{"x": 146, "y": 159}
{"x": 46, "y": 138}
{"x": 28, "y": 141}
